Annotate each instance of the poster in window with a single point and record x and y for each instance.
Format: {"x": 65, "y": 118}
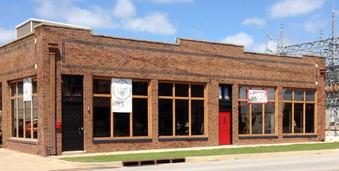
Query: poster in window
{"x": 257, "y": 96}
{"x": 27, "y": 89}
{"x": 121, "y": 95}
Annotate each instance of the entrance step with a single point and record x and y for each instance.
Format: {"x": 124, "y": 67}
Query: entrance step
{"x": 72, "y": 152}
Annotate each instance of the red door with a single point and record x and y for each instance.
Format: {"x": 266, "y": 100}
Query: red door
{"x": 224, "y": 128}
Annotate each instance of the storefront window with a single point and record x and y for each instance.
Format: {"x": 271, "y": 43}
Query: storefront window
{"x": 134, "y": 124}
{"x": 24, "y": 113}
{"x": 298, "y": 111}
{"x": 256, "y": 118}
{"x": 181, "y": 109}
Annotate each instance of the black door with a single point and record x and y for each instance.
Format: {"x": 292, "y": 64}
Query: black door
{"x": 72, "y": 113}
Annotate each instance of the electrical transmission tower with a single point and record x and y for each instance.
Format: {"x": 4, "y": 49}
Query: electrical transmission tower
{"x": 329, "y": 49}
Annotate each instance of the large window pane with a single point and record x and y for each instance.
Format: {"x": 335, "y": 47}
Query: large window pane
{"x": 244, "y": 125}
{"x": 298, "y": 95}
{"x": 197, "y": 117}
{"x": 287, "y": 94}
{"x": 287, "y": 117}
{"x": 197, "y": 90}
{"x": 101, "y": 117}
{"x": 140, "y": 117}
{"x": 28, "y": 120}
{"x": 269, "y": 118}
{"x": 298, "y": 118}
{"x": 181, "y": 117}
{"x": 257, "y": 119}
{"x": 181, "y": 90}
{"x": 101, "y": 86}
{"x": 121, "y": 124}
{"x": 21, "y": 117}
{"x": 14, "y": 117}
{"x": 243, "y": 92}
{"x": 35, "y": 117}
{"x": 140, "y": 88}
{"x": 165, "y": 117}
{"x": 165, "y": 89}
{"x": 309, "y": 118}
{"x": 310, "y": 95}
{"x": 271, "y": 93}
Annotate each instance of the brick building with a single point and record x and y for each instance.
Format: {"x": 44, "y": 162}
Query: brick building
{"x": 184, "y": 94}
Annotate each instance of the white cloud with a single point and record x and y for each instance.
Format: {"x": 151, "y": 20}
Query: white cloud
{"x": 6, "y": 35}
{"x": 171, "y": 1}
{"x": 124, "y": 9}
{"x": 66, "y": 11}
{"x": 261, "y": 47}
{"x": 240, "y": 39}
{"x": 153, "y": 23}
{"x": 315, "y": 24}
{"x": 255, "y": 21}
{"x": 124, "y": 16}
{"x": 288, "y": 8}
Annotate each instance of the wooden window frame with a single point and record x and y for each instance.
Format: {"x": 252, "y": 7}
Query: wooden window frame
{"x": 189, "y": 98}
{"x": 16, "y": 98}
{"x": 263, "y": 111}
{"x": 304, "y": 102}
{"x": 149, "y": 124}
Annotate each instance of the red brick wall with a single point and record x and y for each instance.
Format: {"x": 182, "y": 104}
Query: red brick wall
{"x": 190, "y": 61}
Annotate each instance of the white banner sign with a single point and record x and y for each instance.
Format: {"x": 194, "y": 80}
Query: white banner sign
{"x": 257, "y": 96}
{"x": 28, "y": 89}
{"x": 121, "y": 95}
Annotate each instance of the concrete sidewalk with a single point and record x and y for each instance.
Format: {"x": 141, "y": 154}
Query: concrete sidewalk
{"x": 18, "y": 161}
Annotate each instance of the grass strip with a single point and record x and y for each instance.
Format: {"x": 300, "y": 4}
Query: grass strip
{"x": 207, "y": 152}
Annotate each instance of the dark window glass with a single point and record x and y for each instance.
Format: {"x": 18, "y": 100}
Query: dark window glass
{"x": 121, "y": 124}
{"x": 21, "y": 117}
{"x": 101, "y": 86}
{"x": 271, "y": 93}
{"x": 310, "y": 95}
{"x": 309, "y": 118}
{"x": 181, "y": 90}
{"x": 257, "y": 119}
{"x": 181, "y": 117}
{"x": 101, "y": 117}
{"x": 243, "y": 92}
{"x": 14, "y": 123}
{"x": 140, "y": 117}
{"x": 287, "y": 94}
{"x": 28, "y": 120}
{"x": 298, "y": 95}
{"x": 244, "y": 125}
{"x": 197, "y": 90}
{"x": 165, "y": 117}
{"x": 35, "y": 87}
{"x": 140, "y": 88}
{"x": 197, "y": 117}
{"x": 35, "y": 117}
{"x": 287, "y": 117}
{"x": 298, "y": 118}
{"x": 13, "y": 89}
{"x": 165, "y": 89}
{"x": 20, "y": 88}
{"x": 0, "y": 102}
{"x": 269, "y": 118}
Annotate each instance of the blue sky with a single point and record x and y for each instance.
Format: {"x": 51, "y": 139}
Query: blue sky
{"x": 245, "y": 22}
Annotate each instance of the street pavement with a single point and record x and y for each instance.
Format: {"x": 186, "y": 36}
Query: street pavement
{"x": 327, "y": 161}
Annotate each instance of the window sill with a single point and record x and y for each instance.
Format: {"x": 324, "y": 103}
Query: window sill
{"x": 183, "y": 138}
{"x": 300, "y": 136}
{"x": 23, "y": 141}
{"x": 258, "y": 136}
{"x": 120, "y": 140}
